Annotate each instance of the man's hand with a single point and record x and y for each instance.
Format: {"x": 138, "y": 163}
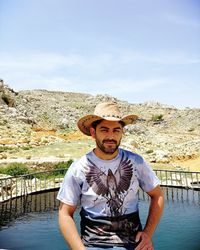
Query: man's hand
{"x": 145, "y": 241}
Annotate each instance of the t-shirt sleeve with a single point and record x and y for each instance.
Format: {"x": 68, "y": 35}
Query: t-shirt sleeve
{"x": 70, "y": 189}
{"x": 147, "y": 177}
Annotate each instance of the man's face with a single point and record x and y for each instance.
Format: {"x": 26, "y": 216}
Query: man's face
{"x": 108, "y": 136}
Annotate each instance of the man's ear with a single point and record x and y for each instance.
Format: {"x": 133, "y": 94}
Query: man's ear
{"x": 93, "y": 132}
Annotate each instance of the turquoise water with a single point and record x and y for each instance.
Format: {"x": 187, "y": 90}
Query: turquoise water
{"x": 179, "y": 228}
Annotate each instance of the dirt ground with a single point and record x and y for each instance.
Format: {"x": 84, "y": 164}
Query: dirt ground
{"x": 190, "y": 165}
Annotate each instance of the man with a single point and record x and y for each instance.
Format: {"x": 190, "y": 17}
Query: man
{"x": 105, "y": 184}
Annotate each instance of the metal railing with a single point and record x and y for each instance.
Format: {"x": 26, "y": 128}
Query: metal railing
{"x": 182, "y": 179}
{"x": 13, "y": 187}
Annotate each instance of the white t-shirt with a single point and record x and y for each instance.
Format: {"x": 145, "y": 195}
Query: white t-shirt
{"x": 107, "y": 191}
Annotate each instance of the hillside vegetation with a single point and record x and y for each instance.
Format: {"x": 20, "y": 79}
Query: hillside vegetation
{"x": 42, "y": 124}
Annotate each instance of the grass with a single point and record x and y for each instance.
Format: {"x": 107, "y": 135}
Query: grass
{"x": 15, "y": 169}
{"x": 157, "y": 117}
{"x": 74, "y": 149}
{"x": 18, "y": 169}
{"x": 60, "y": 150}
{"x": 8, "y": 149}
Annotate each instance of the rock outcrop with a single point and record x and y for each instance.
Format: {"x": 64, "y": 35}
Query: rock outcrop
{"x": 41, "y": 117}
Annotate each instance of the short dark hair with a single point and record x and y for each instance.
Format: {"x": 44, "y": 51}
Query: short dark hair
{"x": 122, "y": 123}
{"x": 95, "y": 123}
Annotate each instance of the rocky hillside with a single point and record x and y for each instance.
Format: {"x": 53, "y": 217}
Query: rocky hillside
{"x": 40, "y": 117}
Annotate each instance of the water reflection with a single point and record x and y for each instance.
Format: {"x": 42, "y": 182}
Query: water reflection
{"x": 38, "y": 202}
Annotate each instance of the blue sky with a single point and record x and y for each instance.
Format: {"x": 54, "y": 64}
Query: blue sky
{"x": 135, "y": 50}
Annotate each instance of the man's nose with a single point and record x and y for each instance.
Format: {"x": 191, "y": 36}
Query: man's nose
{"x": 110, "y": 135}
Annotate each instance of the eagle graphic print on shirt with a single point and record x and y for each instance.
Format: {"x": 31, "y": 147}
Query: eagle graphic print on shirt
{"x": 112, "y": 186}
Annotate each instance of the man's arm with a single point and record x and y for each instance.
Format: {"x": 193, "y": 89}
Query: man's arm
{"x": 68, "y": 227}
{"x": 155, "y": 213}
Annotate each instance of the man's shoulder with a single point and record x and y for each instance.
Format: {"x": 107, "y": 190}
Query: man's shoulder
{"x": 136, "y": 157}
{"x": 80, "y": 161}
{"x": 77, "y": 167}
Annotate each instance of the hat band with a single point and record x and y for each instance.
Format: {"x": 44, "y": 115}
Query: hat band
{"x": 113, "y": 116}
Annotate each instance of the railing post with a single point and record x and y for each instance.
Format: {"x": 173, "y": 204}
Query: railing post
{"x": 2, "y": 190}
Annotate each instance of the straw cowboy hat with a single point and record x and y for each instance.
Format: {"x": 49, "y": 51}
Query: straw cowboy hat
{"x": 106, "y": 111}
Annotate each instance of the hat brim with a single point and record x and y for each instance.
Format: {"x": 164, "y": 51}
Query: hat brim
{"x": 84, "y": 124}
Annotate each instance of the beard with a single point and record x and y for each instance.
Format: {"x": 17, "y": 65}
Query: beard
{"x": 108, "y": 149}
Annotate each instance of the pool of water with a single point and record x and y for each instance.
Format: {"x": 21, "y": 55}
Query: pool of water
{"x": 179, "y": 228}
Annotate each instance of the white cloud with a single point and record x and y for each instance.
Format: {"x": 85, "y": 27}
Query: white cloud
{"x": 117, "y": 86}
{"x": 45, "y": 62}
{"x": 92, "y": 74}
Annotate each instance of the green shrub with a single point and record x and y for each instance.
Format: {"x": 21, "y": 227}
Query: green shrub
{"x": 8, "y": 149}
{"x": 41, "y": 176}
{"x": 15, "y": 169}
{"x": 5, "y": 98}
{"x": 8, "y": 99}
{"x": 4, "y": 148}
{"x": 62, "y": 166}
{"x": 157, "y": 117}
{"x": 26, "y": 147}
{"x": 191, "y": 129}
{"x": 150, "y": 151}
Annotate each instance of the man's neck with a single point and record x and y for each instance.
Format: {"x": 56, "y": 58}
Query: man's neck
{"x": 105, "y": 156}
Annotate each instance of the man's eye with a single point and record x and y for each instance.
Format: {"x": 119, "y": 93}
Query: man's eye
{"x": 104, "y": 130}
{"x": 117, "y": 131}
